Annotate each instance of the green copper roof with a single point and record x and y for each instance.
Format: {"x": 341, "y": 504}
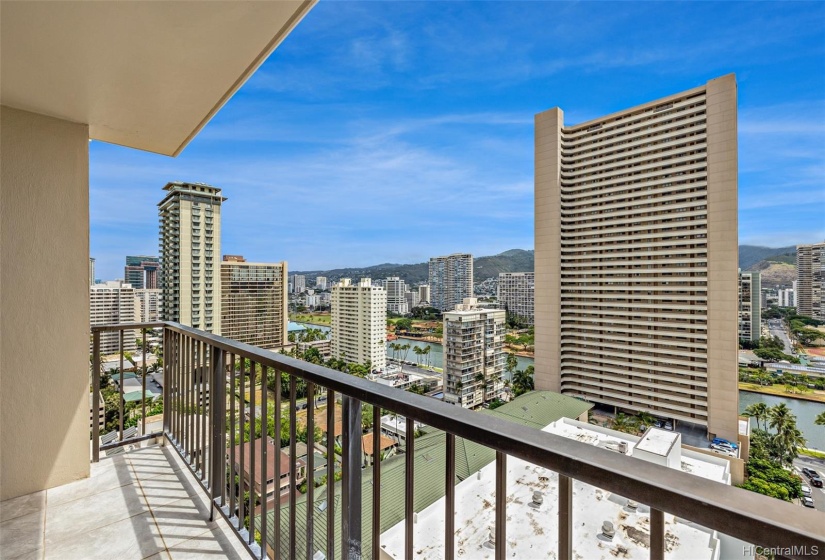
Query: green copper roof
{"x": 536, "y": 409}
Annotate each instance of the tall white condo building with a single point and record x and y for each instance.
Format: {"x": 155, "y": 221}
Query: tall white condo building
{"x": 359, "y": 323}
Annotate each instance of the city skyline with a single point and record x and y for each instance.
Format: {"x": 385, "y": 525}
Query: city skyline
{"x": 413, "y": 126}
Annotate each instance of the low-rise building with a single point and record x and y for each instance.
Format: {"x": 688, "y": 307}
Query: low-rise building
{"x": 607, "y": 525}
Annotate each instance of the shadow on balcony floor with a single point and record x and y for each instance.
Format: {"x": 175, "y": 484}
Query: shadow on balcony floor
{"x": 141, "y": 504}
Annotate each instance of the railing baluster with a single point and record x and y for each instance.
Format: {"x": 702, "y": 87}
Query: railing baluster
{"x": 330, "y": 474}
{"x": 293, "y": 498}
{"x": 351, "y": 521}
{"x": 565, "y": 540}
{"x": 310, "y": 466}
{"x": 264, "y": 451}
{"x": 120, "y": 415}
{"x": 233, "y": 421}
{"x": 217, "y": 425}
{"x": 242, "y": 437}
{"x": 277, "y": 427}
{"x": 187, "y": 408}
{"x": 449, "y": 505}
{"x": 376, "y": 481}
{"x": 657, "y": 534}
{"x": 205, "y": 388}
{"x": 252, "y": 434}
{"x": 143, "y": 396}
{"x": 409, "y": 494}
{"x": 501, "y": 505}
{"x": 96, "y": 397}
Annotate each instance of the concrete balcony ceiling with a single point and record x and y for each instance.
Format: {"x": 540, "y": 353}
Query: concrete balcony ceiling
{"x": 148, "y": 75}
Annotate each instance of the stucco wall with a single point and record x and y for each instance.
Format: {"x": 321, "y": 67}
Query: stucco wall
{"x": 44, "y": 302}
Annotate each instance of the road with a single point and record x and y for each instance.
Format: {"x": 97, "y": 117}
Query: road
{"x": 777, "y": 329}
{"x": 818, "y": 494}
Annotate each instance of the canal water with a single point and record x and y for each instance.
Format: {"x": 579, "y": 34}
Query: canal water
{"x": 805, "y": 412}
{"x": 437, "y": 353}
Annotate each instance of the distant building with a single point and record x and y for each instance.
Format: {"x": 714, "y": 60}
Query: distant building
{"x": 516, "y": 294}
{"x": 424, "y": 294}
{"x": 787, "y": 297}
{"x": 321, "y": 282}
{"x": 412, "y": 298}
{"x": 396, "y": 296}
{"x": 142, "y": 272}
{"x": 359, "y": 323}
{"x": 91, "y": 271}
{"x": 473, "y": 354}
{"x": 111, "y": 303}
{"x": 750, "y": 306}
{"x": 254, "y": 302}
{"x": 810, "y": 280}
{"x": 299, "y": 283}
{"x": 148, "y": 310}
{"x": 451, "y": 280}
{"x": 190, "y": 248}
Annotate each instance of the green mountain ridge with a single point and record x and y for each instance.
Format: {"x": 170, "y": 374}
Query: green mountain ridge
{"x": 751, "y": 257}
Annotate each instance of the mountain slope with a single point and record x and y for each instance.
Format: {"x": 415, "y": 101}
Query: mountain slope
{"x": 514, "y": 260}
{"x": 749, "y": 255}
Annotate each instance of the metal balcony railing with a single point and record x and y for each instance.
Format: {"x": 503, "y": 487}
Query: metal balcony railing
{"x": 206, "y": 380}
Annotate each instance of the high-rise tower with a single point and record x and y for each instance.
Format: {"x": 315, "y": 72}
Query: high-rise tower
{"x": 810, "y": 280}
{"x": 636, "y": 257}
{"x": 451, "y": 280}
{"x": 190, "y": 248}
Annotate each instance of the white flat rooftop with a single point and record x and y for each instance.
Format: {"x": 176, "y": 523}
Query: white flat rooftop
{"x": 533, "y": 532}
{"x": 658, "y": 442}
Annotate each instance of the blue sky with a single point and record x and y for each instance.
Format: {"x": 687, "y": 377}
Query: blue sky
{"x": 392, "y": 132}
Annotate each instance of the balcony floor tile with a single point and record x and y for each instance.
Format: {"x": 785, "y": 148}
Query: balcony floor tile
{"x": 141, "y": 505}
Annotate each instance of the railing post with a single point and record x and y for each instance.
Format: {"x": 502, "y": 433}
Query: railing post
{"x": 95, "y": 412}
{"x": 657, "y": 534}
{"x": 217, "y": 421}
{"x": 351, "y": 522}
{"x": 565, "y": 517}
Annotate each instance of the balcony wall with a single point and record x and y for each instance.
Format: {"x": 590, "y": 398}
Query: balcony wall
{"x": 44, "y": 302}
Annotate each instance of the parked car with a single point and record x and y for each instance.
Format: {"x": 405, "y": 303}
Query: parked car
{"x": 807, "y": 501}
{"x": 806, "y": 490}
{"x": 721, "y": 441}
{"x": 723, "y": 450}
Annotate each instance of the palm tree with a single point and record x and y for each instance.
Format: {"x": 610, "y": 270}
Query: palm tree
{"x": 512, "y": 363}
{"x": 820, "y": 419}
{"x": 418, "y": 351}
{"x": 426, "y": 353}
{"x": 788, "y": 441}
{"x": 406, "y": 349}
{"x": 622, "y": 423}
{"x": 757, "y": 410}
{"x": 645, "y": 418}
{"x": 780, "y": 417}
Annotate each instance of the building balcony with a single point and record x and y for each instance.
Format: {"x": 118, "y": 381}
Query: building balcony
{"x": 172, "y": 496}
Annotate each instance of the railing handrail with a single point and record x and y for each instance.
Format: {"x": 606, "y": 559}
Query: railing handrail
{"x": 732, "y": 511}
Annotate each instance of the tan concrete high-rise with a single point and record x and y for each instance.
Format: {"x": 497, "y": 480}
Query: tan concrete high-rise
{"x": 190, "y": 248}
{"x": 636, "y": 257}
{"x": 810, "y": 280}
{"x": 254, "y": 302}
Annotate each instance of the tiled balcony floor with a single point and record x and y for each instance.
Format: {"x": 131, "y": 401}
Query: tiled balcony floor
{"x": 140, "y": 504}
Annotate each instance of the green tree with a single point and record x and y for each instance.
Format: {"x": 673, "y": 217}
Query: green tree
{"x": 523, "y": 381}
{"x": 623, "y": 423}
{"x": 820, "y": 419}
{"x": 759, "y": 411}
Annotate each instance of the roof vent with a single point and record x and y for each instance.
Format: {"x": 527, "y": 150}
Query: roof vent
{"x": 632, "y": 505}
{"x": 607, "y": 530}
{"x": 538, "y": 499}
{"x": 491, "y": 538}
{"x": 623, "y": 447}
{"x": 319, "y": 555}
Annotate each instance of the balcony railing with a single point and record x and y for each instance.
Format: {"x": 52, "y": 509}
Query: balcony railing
{"x": 206, "y": 380}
